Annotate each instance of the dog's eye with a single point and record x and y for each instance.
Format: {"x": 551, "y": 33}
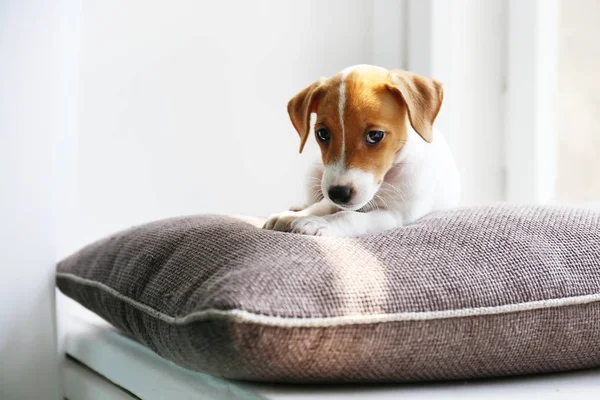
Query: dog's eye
{"x": 374, "y": 137}
{"x": 323, "y": 135}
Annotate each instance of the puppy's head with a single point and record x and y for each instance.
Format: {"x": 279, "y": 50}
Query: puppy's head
{"x": 361, "y": 125}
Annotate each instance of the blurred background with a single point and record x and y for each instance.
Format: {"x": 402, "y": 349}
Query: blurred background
{"x": 578, "y": 163}
{"x": 118, "y": 112}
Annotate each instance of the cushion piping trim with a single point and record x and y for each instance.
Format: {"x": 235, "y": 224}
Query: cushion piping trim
{"x": 318, "y": 322}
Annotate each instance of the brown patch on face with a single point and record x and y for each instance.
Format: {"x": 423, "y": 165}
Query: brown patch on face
{"x": 328, "y": 117}
{"x": 369, "y": 105}
{"x": 375, "y": 99}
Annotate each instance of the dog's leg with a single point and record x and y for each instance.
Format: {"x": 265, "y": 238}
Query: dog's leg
{"x": 283, "y": 221}
{"x": 299, "y": 207}
{"x": 347, "y": 223}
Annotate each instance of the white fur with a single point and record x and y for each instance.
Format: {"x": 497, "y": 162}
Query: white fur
{"x": 336, "y": 174}
{"x": 341, "y": 106}
{"x": 424, "y": 178}
{"x": 342, "y": 103}
{"x": 362, "y": 182}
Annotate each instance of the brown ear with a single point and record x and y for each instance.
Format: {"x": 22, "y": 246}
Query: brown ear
{"x": 423, "y": 98}
{"x": 301, "y": 106}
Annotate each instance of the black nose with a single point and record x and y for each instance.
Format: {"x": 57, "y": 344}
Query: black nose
{"x": 340, "y": 194}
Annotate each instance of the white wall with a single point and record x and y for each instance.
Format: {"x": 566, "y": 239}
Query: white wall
{"x": 183, "y": 104}
{"x": 37, "y": 90}
{"x": 579, "y": 97}
{"x": 530, "y": 123}
{"x": 463, "y": 44}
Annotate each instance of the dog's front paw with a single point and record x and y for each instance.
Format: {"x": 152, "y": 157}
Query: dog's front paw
{"x": 314, "y": 226}
{"x": 298, "y": 207}
{"x": 282, "y": 222}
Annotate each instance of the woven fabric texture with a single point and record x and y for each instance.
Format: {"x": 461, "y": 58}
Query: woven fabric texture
{"x": 473, "y": 292}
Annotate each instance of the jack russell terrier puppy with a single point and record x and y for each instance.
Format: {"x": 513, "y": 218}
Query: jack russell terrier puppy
{"x": 384, "y": 165}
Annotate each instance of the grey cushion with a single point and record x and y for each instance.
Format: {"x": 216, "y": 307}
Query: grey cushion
{"x": 465, "y": 293}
